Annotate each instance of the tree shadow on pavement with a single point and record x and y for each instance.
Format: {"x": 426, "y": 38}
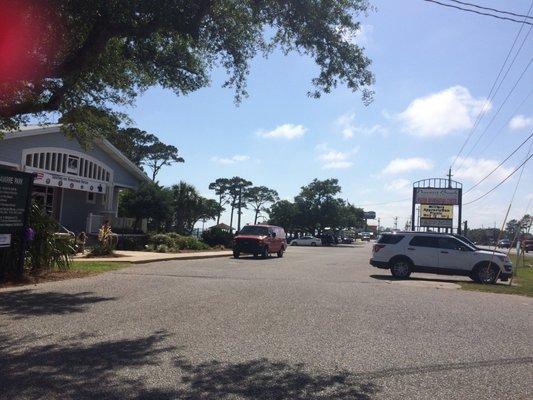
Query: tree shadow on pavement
{"x": 26, "y": 303}
{"x": 262, "y": 379}
{"x": 143, "y": 369}
{"x": 74, "y": 370}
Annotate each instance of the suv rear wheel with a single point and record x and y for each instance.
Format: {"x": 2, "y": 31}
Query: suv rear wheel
{"x": 236, "y": 254}
{"x": 485, "y": 273}
{"x": 400, "y": 268}
{"x": 264, "y": 252}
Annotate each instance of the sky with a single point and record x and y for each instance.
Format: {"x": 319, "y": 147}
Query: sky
{"x": 434, "y": 69}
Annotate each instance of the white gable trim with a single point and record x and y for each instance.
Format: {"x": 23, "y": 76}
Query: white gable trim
{"x": 103, "y": 143}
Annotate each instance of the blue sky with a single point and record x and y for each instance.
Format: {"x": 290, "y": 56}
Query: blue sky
{"x": 434, "y": 68}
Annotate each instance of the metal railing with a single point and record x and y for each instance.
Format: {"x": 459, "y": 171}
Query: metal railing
{"x": 120, "y": 224}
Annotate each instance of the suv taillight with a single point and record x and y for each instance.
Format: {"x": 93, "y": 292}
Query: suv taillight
{"x": 377, "y": 247}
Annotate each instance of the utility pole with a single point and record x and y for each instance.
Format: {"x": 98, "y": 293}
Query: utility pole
{"x": 450, "y": 178}
{"x": 239, "y": 212}
{"x": 379, "y": 220}
{"x": 395, "y": 223}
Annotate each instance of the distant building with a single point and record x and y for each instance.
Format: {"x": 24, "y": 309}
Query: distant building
{"x": 77, "y": 187}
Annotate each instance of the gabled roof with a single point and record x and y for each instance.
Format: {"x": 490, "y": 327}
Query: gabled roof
{"x": 104, "y": 144}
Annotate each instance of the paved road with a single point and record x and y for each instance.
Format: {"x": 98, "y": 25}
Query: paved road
{"x": 317, "y": 324}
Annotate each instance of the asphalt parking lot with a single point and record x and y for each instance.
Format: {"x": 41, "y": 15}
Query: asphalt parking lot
{"x": 319, "y": 323}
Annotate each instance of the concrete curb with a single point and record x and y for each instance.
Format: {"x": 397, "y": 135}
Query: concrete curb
{"x": 154, "y": 257}
{"x": 200, "y": 257}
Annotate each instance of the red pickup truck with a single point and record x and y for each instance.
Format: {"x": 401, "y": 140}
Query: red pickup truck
{"x": 260, "y": 240}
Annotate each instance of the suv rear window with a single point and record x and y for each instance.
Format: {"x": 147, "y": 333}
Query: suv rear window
{"x": 424, "y": 241}
{"x": 390, "y": 239}
{"x": 254, "y": 230}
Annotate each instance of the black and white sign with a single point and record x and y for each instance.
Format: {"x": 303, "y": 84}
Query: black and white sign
{"x": 436, "y": 223}
{"x": 14, "y": 195}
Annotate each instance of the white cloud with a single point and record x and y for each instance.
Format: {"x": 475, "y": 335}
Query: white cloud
{"x": 333, "y": 159}
{"x": 285, "y": 131}
{"x": 398, "y": 185}
{"x": 349, "y": 129}
{"x": 520, "y": 122}
{"x": 401, "y": 165}
{"x": 237, "y": 158}
{"x": 442, "y": 113}
{"x": 474, "y": 169}
{"x": 361, "y": 36}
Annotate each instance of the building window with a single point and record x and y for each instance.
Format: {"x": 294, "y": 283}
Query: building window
{"x": 91, "y": 198}
{"x": 28, "y": 160}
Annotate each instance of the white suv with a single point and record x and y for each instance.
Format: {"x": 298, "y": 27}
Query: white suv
{"x": 437, "y": 253}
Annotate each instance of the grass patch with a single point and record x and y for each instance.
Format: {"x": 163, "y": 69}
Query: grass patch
{"x": 97, "y": 266}
{"x": 522, "y": 282}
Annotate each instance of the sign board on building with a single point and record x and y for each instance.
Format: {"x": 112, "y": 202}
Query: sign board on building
{"x": 67, "y": 182}
{"x": 436, "y": 223}
{"x": 5, "y": 240}
{"x": 436, "y": 196}
{"x": 14, "y": 194}
{"x": 436, "y": 211}
{"x": 370, "y": 215}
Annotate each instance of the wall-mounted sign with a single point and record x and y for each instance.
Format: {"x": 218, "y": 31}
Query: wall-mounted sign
{"x": 5, "y": 240}
{"x": 67, "y": 182}
{"x": 436, "y": 196}
{"x": 73, "y": 165}
{"x": 436, "y": 223}
{"x": 14, "y": 195}
{"x": 370, "y": 215}
{"x": 436, "y": 211}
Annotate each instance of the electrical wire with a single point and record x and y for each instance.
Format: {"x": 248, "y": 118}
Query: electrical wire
{"x": 491, "y": 9}
{"x": 480, "y": 13}
{"x": 500, "y": 164}
{"x": 492, "y": 92}
{"x": 497, "y": 112}
{"x": 501, "y": 183}
{"x": 507, "y": 122}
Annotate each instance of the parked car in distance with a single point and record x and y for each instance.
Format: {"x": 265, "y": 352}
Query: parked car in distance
{"x": 260, "y": 240}
{"x": 504, "y": 243}
{"x": 407, "y": 252}
{"x": 306, "y": 241}
{"x": 365, "y": 237}
{"x": 347, "y": 240}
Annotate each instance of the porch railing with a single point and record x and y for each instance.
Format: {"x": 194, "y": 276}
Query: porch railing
{"x": 118, "y": 224}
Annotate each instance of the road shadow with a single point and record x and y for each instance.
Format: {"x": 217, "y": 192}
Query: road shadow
{"x": 151, "y": 368}
{"x": 26, "y": 303}
{"x": 75, "y": 370}
{"x": 262, "y": 379}
{"x": 124, "y": 369}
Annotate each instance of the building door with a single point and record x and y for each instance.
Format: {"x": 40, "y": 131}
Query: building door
{"x": 47, "y": 200}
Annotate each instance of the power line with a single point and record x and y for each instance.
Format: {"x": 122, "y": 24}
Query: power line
{"x": 500, "y": 164}
{"x": 491, "y": 9}
{"x": 492, "y": 92}
{"x": 501, "y": 183}
{"x": 497, "y": 111}
{"x": 508, "y": 121}
{"x": 480, "y": 13}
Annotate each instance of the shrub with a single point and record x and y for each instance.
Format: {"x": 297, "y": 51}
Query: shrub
{"x": 132, "y": 243}
{"x": 48, "y": 250}
{"x": 174, "y": 242}
{"x": 161, "y": 238}
{"x": 162, "y": 248}
{"x": 218, "y": 237}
